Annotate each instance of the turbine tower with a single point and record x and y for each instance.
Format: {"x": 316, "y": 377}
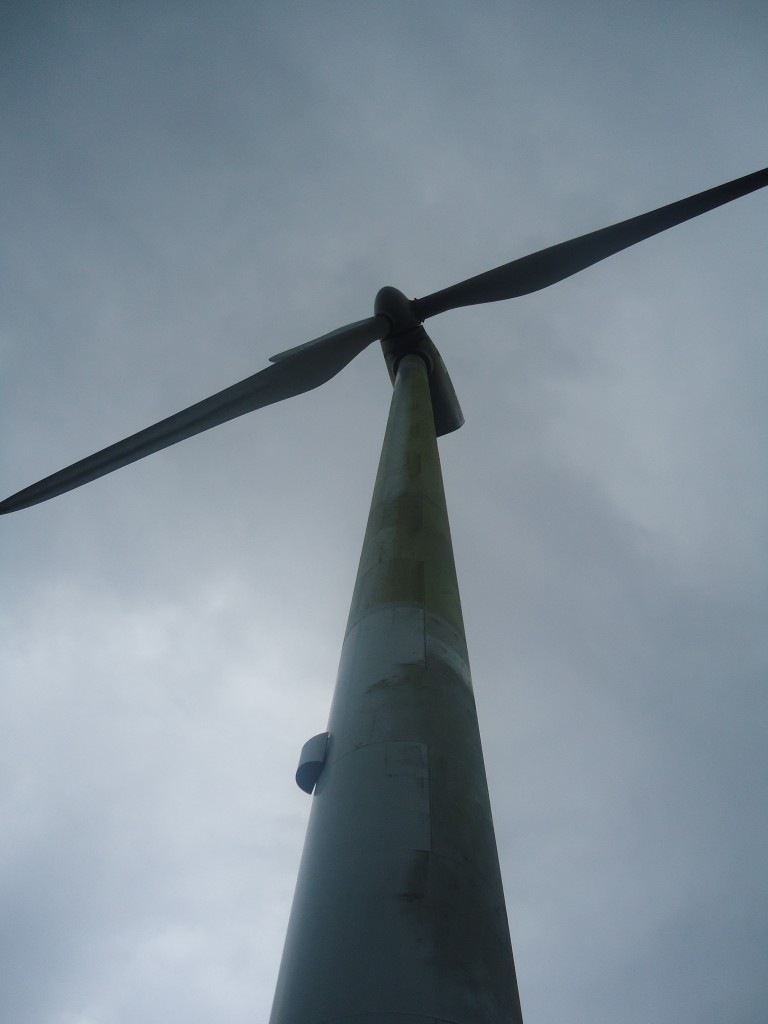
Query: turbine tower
{"x": 398, "y": 915}
{"x": 399, "y": 911}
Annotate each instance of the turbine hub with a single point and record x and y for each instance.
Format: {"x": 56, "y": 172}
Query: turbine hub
{"x": 391, "y": 303}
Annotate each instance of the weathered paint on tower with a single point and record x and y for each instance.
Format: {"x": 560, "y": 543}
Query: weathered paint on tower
{"x": 399, "y": 915}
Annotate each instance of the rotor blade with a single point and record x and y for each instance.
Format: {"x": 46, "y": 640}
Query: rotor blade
{"x": 546, "y": 267}
{"x": 373, "y": 329}
{"x": 308, "y": 368}
{"x": 445, "y": 402}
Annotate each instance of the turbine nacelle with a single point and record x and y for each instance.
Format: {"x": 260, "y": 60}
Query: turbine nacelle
{"x": 408, "y": 337}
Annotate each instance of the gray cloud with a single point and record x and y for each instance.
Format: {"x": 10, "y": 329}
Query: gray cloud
{"x": 188, "y": 189}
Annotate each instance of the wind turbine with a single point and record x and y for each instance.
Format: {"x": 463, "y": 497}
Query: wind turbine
{"x": 398, "y": 915}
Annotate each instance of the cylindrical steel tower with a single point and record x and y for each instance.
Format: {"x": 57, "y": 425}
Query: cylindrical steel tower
{"x": 399, "y": 915}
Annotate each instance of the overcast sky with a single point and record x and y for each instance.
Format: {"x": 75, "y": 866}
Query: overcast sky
{"x": 191, "y": 187}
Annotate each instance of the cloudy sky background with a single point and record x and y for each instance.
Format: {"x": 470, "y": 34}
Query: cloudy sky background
{"x": 190, "y": 187}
